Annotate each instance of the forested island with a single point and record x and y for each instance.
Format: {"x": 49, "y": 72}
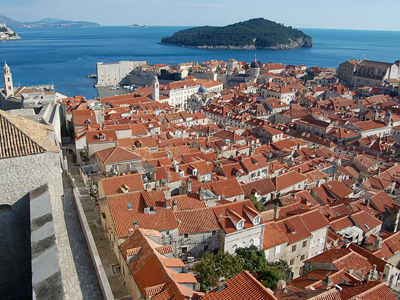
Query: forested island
{"x": 252, "y": 34}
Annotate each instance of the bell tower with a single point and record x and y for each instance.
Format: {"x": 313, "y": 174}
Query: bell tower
{"x": 7, "y": 81}
{"x": 156, "y": 89}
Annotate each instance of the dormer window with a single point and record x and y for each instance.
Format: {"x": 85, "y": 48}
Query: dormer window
{"x": 256, "y": 220}
{"x": 102, "y": 137}
{"x": 181, "y": 174}
{"x": 194, "y": 172}
{"x": 240, "y": 225}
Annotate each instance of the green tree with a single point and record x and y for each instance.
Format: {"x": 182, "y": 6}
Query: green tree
{"x": 269, "y": 277}
{"x": 258, "y": 205}
{"x": 214, "y": 266}
{"x": 253, "y": 259}
{"x": 283, "y": 268}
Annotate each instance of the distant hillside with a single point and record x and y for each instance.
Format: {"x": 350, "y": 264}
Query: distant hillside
{"x": 252, "y": 34}
{"x": 45, "y": 23}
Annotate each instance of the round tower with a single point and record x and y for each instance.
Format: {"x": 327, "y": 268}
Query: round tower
{"x": 156, "y": 89}
{"x": 7, "y": 81}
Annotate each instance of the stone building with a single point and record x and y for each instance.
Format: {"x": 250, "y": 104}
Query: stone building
{"x": 241, "y": 226}
{"x": 113, "y": 73}
{"x": 199, "y": 233}
{"x": 31, "y": 210}
{"x": 374, "y": 73}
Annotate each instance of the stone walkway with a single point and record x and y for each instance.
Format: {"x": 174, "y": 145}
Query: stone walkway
{"x": 87, "y": 278}
{"x": 107, "y": 256}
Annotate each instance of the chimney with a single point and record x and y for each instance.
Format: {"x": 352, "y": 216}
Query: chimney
{"x": 373, "y": 271}
{"x": 201, "y": 193}
{"x": 189, "y": 185}
{"x": 174, "y": 205}
{"x": 221, "y": 285}
{"x": 148, "y": 187}
{"x": 167, "y": 194}
{"x": 327, "y": 283}
{"x": 276, "y": 212}
{"x": 300, "y": 171}
{"x": 329, "y": 216}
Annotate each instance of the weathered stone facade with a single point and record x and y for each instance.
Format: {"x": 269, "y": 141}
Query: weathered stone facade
{"x": 20, "y": 175}
{"x": 197, "y": 244}
{"x": 242, "y": 238}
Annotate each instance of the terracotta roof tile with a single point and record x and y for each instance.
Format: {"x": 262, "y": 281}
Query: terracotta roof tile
{"x": 163, "y": 219}
{"x": 129, "y": 183}
{"x": 117, "y": 154}
{"x": 241, "y": 287}
{"x": 21, "y": 137}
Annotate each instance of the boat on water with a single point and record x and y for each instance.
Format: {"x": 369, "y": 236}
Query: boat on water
{"x": 93, "y": 76}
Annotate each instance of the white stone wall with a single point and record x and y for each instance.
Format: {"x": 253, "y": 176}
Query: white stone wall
{"x": 21, "y": 175}
{"x": 112, "y": 74}
{"x": 242, "y": 238}
{"x": 318, "y": 242}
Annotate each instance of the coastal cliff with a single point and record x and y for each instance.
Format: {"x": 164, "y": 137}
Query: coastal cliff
{"x": 7, "y": 34}
{"x": 249, "y": 35}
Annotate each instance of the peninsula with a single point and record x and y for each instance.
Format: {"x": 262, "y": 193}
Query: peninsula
{"x": 46, "y": 23}
{"x": 252, "y": 34}
{"x": 7, "y": 34}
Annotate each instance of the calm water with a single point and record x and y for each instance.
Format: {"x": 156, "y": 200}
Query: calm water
{"x": 65, "y": 56}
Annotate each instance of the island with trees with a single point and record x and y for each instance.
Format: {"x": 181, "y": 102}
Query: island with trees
{"x": 252, "y": 34}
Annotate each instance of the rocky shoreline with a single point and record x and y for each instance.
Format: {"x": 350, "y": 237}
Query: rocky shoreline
{"x": 6, "y": 34}
{"x": 294, "y": 44}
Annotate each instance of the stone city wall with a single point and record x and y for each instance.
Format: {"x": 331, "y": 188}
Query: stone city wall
{"x": 23, "y": 174}
{"x": 100, "y": 272}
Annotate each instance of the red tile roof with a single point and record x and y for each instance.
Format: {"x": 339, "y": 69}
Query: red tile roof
{"x": 234, "y": 210}
{"x": 130, "y": 183}
{"x": 21, "y": 137}
{"x": 163, "y": 219}
{"x": 273, "y": 235}
{"x": 196, "y": 220}
{"x": 117, "y": 154}
{"x": 101, "y": 136}
{"x": 288, "y": 179}
{"x": 241, "y": 287}
{"x": 294, "y": 229}
{"x": 371, "y": 290}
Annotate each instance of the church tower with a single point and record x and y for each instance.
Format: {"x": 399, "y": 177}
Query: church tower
{"x": 254, "y": 68}
{"x": 7, "y": 80}
{"x": 156, "y": 89}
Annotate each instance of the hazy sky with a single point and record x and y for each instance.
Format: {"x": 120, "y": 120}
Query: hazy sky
{"x": 350, "y": 14}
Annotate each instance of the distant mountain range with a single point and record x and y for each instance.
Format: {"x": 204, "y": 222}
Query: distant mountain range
{"x": 45, "y": 23}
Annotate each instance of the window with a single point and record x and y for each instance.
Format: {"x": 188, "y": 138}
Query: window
{"x": 240, "y": 225}
{"x": 184, "y": 249}
{"x": 214, "y": 233}
{"x": 205, "y": 247}
{"x": 186, "y": 235}
{"x": 277, "y": 250}
{"x": 291, "y": 262}
{"x": 302, "y": 257}
{"x": 256, "y": 220}
{"x": 294, "y": 248}
{"x": 116, "y": 269}
{"x": 304, "y": 244}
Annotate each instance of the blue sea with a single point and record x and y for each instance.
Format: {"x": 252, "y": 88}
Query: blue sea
{"x": 64, "y": 56}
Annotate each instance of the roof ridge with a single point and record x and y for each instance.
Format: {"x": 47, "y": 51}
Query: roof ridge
{"x": 12, "y": 137}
